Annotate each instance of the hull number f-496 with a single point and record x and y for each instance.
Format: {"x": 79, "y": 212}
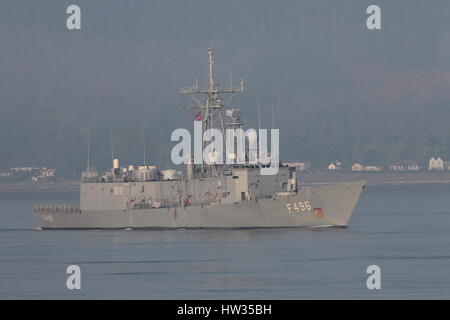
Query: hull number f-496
{"x": 47, "y": 217}
{"x": 301, "y": 206}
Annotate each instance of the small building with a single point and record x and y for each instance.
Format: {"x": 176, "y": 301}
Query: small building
{"x": 447, "y": 165}
{"x": 357, "y": 167}
{"x": 436, "y": 164}
{"x": 332, "y": 167}
{"x": 414, "y": 167}
{"x": 372, "y": 168}
{"x": 45, "y": 173}
{"x": 5, "y": 174}
{"x": 300, "y": 166}
{"x": 335, "y": 165}
{"x": 397, "y": 167}
{"x": 22, "y": 169}
{"x": 404, "y": 166}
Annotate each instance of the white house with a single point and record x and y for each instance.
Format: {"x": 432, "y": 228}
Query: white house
{"x": 446, "y": 165}
{"x": 372, "y": 168}
{"x": 48, "y": 172}
{"x": 405, "y": 165}
{"x": 436, "y": 164}
{"x": 357, "y": 167}
{"x": 335, "y": 165}
{"x": 300, "y": 166}
{"x": 332, "y": 167}
{"x": 397, "y": 167}
{"x": 23, "y": 169}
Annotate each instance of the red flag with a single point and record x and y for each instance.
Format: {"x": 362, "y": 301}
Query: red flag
{"x": 198, "y": 116}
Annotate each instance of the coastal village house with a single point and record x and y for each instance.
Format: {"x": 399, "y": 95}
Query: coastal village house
{"x": 300, "y": 166}
{"x": 372, "y": 168}
{"x": 436, "y": 164}
{"x": 404, "y": 166}
{"x": 6, "y": 174}
{"x": 23, "y": 169}
{"x": 446, "y": 165}
{"x": 360, "y": 167}
{"x": 357, "y": 167}
{"x": 48, "y": 173}
{"x": 335, "y": 165}
{"x": 26, "y": 173}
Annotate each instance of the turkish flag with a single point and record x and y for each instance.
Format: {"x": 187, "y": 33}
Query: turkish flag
{"x": 198, "y": 116}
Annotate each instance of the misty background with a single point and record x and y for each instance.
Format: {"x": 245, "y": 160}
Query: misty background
{"x": 341, "y": 91}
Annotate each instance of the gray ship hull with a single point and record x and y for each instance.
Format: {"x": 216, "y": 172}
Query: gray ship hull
{"x": 311, "y": 206}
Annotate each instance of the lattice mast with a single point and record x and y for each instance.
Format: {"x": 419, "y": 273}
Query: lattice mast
{"x": 211, "y": 100}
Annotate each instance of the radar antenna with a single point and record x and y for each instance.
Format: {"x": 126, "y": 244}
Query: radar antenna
{"x": 211, "y": 99}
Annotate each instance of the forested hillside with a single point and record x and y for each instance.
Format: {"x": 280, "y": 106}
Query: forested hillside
{"x": 340, "y": 91}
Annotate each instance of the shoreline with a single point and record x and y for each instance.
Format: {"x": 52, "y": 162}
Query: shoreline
{"x": 373, "y": 179}
{"x": 376, "y": 178}
{"x": 73, "y": 185}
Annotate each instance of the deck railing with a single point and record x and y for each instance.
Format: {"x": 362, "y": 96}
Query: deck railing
{"x": 59, "y": 209}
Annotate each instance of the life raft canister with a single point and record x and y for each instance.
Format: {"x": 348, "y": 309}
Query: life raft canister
{"x": 318, "y": 212}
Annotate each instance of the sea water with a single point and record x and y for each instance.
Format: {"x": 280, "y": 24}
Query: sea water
{"x": 403, "y": 229}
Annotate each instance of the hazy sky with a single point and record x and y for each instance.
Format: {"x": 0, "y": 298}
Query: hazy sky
{"x": 341, "y": 91}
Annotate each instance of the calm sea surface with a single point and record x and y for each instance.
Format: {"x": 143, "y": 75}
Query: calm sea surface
{"x": 403, "y": 229}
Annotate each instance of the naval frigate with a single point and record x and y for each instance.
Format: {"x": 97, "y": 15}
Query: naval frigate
{"x": 203, "y": 196}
